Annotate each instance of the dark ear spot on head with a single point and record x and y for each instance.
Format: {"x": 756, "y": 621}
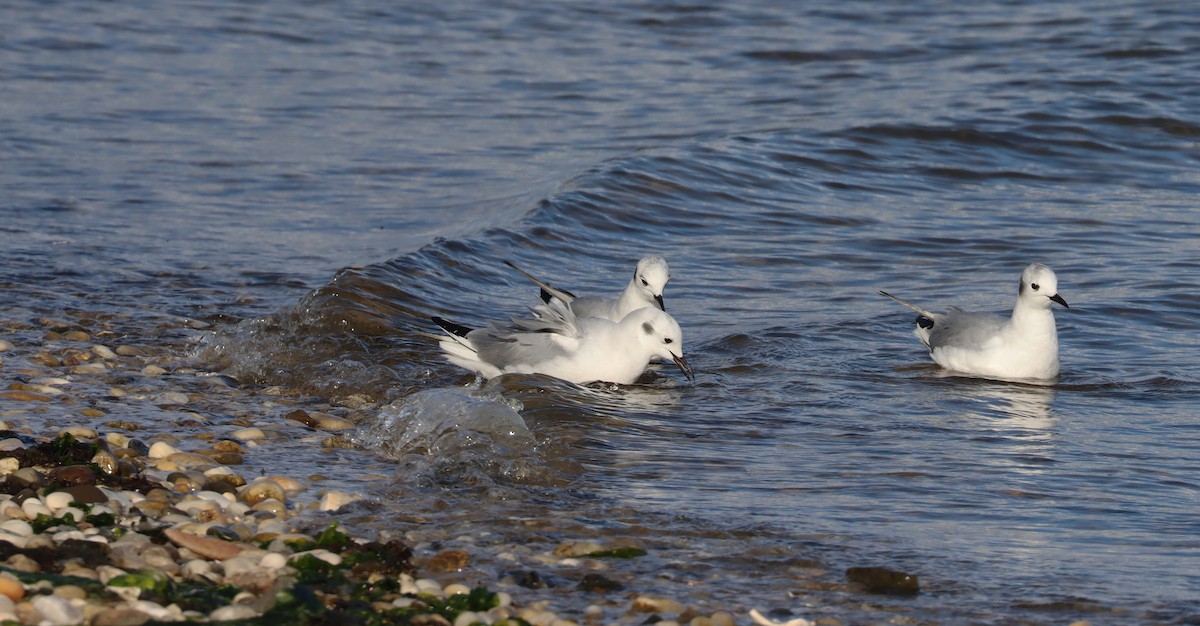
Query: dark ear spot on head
{"x": 647, "y": 328}
{"x": 1035, "y": 286}
{"x": 1021, "y": 291}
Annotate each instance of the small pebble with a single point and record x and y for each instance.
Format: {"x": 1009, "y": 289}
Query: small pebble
{"x": 153, "y": 370}
{"x": 11, "y": 588}
{"x": 103, "y": 352}
{"x": 249, "y": 434}
{"x": 162, "y": 450}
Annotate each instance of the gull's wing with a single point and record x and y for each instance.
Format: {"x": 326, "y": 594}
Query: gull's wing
{"x": 551, "y": 333}
{"x": 958, "y": 329}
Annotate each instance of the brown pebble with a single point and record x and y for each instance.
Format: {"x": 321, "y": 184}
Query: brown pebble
{"x": 25, "y": 396}
{"x": 46, "y": 359}
{"x": 448, "y": 561}
{"x": 22, "y": 563}
{"x": 208, "y": 547}
{"x": 91, "y": 412}
{"x": 87, "y": 494}
{"x": 302, "y": 416}
{"x": 227, "y": 458}
{"x": 76, "y": 335}
{"x": 227, "y": 445}
{"x": 72, "y": 475}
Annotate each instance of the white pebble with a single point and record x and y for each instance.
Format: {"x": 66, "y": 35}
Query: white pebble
{"x": 57, "y": 611}
{"x": 58, "y": 500}
{"x": 248, "y": 434}
{"x": 157, "y": 611}
{"x": 9, "y": 465}
{"x": 273, "y": 561}
{"x": 20, "y": 528}
{"x": 6, "y": 345}
{"x": 325, "y": 555}
{"x": 455, "y": 589}
{"x": 233, "y": 612}
{"x": 76, "y": 514}
{"x": 334, "y": 500}
{"x": 34, "y": 507}
{"x": 103, "y": 352}
{"x": 65, "y": 535}
{"x": 17, "y": 540}
{"x": 79, "y": 432}
{"x": 429, "y": 585}
{"x": 162, "y": 450}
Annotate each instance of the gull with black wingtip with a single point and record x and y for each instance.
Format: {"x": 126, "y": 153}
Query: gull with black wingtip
{"x": 1021, "y": 347}
{"x": 554, "y": 341}
{"x": 644, "y": 289}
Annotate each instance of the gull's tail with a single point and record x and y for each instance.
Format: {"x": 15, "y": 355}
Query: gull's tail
{"x": 548, "y": 291}
{"x": 925, "y": 319}
{"x": 910, "y": 305}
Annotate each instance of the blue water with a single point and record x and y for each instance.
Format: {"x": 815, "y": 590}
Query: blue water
{"x": 309, "y": 182}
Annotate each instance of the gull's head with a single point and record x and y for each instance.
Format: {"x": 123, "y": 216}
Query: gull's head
{"x": 650, "y": 278}
{"x": 660, "y": 334}
{"x": 1039, "y": 287}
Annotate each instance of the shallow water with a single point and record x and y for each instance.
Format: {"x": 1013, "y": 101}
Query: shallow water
{"x": 313, "y": 181}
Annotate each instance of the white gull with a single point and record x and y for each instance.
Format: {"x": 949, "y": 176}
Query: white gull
{"x": 644, "y": 289}
{"x": 554, "y": 341}
{"x": 1024, "y": 346}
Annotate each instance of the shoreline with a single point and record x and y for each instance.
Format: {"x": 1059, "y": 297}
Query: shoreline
{"x": 158, "y": 510}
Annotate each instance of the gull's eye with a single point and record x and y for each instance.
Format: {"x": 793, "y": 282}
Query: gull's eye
{"x": 1035, "y": 286}
{"x": 668, "y": 340}
{"x": 644, "y": 283}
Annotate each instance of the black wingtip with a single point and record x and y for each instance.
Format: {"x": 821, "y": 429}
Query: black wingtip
{"x": 450, "y": 327}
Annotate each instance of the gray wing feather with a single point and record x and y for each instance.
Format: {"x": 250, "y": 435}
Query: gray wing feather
{"x": 548, "y": 334}
{"x": 964, "y": 330}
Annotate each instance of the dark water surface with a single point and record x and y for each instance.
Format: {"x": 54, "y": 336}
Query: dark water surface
{"x": 314, "y": 180}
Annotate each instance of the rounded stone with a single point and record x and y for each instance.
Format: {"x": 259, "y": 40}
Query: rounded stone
{"x": 153, "y": 370}
{"x": 58, "y": 500}
{"x": 261, "y": 490}
{"x": 334, "y": 500}
{"x": 20, "y": 528}
{"x": 249, "y": 434}
{"x": 162, "y": 450}
{"x": 86, "y": 494}
{"x": 651, "y": 604}
{"x": 11, "y": 588}
{"x": 70, "y": 592}
{"x": 456, "y": 589}
{"x": 172, "y": 397}
{"x": 72, "y": 475}
{"x": 103, "y": 352}
{"x": 233, "y": 612}
{"x": 79, "y": 432}
{"x": 57, "y": 610}
{"x": 76, "y": 335}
